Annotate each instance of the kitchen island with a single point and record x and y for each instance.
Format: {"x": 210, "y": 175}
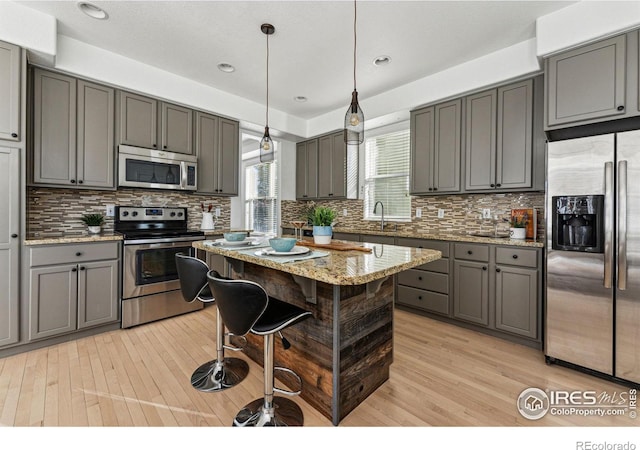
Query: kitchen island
{"x": 344, "y": 353}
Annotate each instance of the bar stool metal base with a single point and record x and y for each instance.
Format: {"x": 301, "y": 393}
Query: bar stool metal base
{"x": 213, "y": 376}
{"x": 285, "y": 413}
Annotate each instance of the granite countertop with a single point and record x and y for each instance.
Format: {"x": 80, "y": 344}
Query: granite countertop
{"x": 70, "y": 238}
{"x": 440, "y": 236}
{"x": 350, "y": 267}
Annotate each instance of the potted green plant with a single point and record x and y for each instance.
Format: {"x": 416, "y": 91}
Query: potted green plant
{"x": 93, "y": 221}
{"x": 518, "y": 225}
{"x": 322, "y": 218}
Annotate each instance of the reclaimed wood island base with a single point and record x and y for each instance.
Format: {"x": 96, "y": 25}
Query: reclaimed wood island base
{"x": 344, "y": 352}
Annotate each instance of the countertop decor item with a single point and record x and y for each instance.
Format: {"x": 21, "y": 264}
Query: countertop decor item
{"x": 94, "y": 222}
{"x": 525, "y": 218}
{"x": 235, "y": 236}
{"x": 322, "y": 218}
{"x": 282, "y": 244}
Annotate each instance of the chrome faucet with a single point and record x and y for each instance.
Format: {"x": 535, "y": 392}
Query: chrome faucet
{"x": 375, "y": 207}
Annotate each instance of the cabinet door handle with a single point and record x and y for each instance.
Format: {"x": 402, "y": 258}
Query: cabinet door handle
{"x": 435, "y": 188}
{"x": 81, "y": 267}
{"x": 78, "y": 253}
{"x": 74, "y": 270}
{"x": 492, "y": 185}
{"x": 164, "y": 146}
{"x": 621, "y": 108}
{"x": 419, "y": 297}
{"x": 431, "y": 189}
{"x": 419, "y": 278}
{"x": 484, "y": 267}
{"x": 14, "y": 235}
{"x": 80, "y": 181}
{"x": 498, "y": 185}
{"x": 497, "y": 269}
{"x": 469, "y": 252}
{"x": 154, "y": 145}
{"x": 73, "y": 181}
{"x": 515, "y": 256}
{"x": 14, "y": 135}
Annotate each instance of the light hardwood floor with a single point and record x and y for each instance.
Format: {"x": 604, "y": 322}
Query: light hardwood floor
{"x": 442, "y": 375}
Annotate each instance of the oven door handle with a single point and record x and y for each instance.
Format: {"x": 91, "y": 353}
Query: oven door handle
{"x": 163, "y": 240}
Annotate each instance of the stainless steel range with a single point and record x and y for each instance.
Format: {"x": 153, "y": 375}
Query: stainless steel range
{"x": 150, "y": 284}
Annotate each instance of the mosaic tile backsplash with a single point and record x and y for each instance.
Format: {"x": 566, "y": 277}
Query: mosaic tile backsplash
{"x": 55, "y": 211}
{"x": 462, "y": 213}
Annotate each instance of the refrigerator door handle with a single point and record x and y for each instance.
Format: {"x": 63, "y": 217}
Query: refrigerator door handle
{"x": 608, "y": 223}
{"x": 622, "y": 225}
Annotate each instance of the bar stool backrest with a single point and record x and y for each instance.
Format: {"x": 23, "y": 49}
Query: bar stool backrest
{"x": 192, "y": 273}
{"x": 240, "y": 302}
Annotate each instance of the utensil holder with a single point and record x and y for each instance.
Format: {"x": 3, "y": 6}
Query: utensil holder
{"x": 207, "y": 221}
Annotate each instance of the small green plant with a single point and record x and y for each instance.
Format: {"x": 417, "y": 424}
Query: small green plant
{"x": 92, "y": 220}
{"x": 322, "y": 216}
{"x": 519, "y": 221}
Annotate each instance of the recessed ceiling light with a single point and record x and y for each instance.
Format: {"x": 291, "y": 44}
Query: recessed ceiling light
{"x": 92, "y": 10}
{"x": 300, "y": 98}
{"x": 382, "y": 61}
{"x": 226, "y": 67}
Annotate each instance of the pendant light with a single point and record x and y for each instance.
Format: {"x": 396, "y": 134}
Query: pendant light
{"x": 266, "y": 144}
{"x": 354, "y": 118}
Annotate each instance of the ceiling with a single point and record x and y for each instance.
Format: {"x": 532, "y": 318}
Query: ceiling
{"x": 311, "y": 52}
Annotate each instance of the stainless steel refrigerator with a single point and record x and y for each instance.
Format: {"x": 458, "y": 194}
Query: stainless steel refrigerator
{"x": 593, "y": 254}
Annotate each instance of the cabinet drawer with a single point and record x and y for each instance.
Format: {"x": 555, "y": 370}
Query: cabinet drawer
{"x": 439, "y": 265}
{"x": 73, "y": 253}
{"x": 429, "y": 301}
{"x": 420, "y": 279}
{"x": 425, "y": 243}
{"x": 472, "y": 252}
{"x": 516, "y": 257}
{"x": 346, "y": 236}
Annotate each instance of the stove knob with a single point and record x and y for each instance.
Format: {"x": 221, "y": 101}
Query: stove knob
{"x": 173, "y": 214}
{"x": 125, "y": 213}
{"x": 134, "y": 213}
{"x": 179, "y": 214}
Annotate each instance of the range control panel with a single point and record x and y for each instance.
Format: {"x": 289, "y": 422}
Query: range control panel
{"x": 150, "y": 214}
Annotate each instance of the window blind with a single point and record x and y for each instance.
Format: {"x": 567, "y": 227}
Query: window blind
{"x": 261, "y": 197}
{"x": 387, "y": 175}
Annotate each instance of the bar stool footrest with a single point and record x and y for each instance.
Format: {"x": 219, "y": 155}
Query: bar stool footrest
{"x": 284, "y": 391}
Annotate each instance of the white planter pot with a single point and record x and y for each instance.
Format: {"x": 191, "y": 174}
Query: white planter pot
{"x": 322, "y": 235}
{"x": 518, "y": 233}
{"x": 94, "y": 229}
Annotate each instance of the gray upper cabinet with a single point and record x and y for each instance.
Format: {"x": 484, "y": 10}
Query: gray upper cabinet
{"x": 9, "y": 92}
{"x": 150, "y": 123}
{"x": 95, "y": 127}
{"x": 138, "y": 120}
{"x": 587, "y": 84}
{"x": 337, "y": 168}
{"x": 436, "y": 148}
{"x": 73, "y": 132}
{"x": 217, "y": 150}
{"x": 307, "y": 169}
{"x": 176, "y": 128}
{"x": 499, "y": 138}
{"x": 9, "y": 244}
{"x": 54, "y": 129}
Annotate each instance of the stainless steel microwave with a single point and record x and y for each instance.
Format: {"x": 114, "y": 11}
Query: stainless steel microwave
{"x": 156, "y": 169}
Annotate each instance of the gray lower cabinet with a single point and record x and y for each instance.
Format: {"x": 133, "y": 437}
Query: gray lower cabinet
{"x": 9, "y": 92}
{"x": 217, "y": 149}
{"x": 471, "y": 291}
{"x": 307, "y": 170}
{"x": 73, "y": 126}
{"x": 71, "y": 287}
{"x": 377, "y": 239}
{"x": 151, "y": 123}
{"x": 590, "y": 83}
{"x": 426, "y": 287}
{"x": 9, "y": 244}
{"x": 436, "y": 149}
{"x": 346, "y": 236}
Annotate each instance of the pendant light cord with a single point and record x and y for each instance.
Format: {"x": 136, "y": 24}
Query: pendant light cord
{"x": 354, "y": 43}
{"x": 267, "y": 113}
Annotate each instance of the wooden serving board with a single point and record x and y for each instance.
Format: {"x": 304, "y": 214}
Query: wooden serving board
{"x": 335, "y": 245}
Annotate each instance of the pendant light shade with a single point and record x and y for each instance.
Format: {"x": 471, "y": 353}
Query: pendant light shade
{"x": 266, "y": 144}
{"x": 354, "y": 118}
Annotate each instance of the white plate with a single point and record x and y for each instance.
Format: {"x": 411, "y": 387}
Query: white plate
{"x": 224, "y": 243}
{"x": 296, "y": 250}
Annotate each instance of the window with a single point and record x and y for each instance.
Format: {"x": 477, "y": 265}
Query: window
{"x": 261, "y": 197}
{"x": 387, "y": 176}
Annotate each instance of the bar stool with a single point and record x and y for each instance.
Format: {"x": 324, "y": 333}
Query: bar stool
{"x": 246, "y": 307}
{"x": 220, "y": 373}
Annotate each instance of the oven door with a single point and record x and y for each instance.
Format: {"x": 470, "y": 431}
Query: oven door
{"x": 149, "y": 266}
